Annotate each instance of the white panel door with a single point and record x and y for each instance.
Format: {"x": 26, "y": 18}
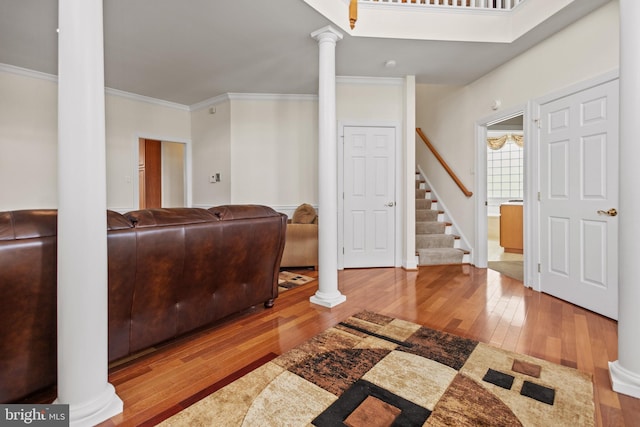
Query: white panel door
{"x": 369, "y": 197}
{"x": 578, "y": 187}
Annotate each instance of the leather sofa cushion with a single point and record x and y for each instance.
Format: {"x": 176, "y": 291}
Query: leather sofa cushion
{"x": 117, "y": 221}
{"x": 229, "y": 212}
{"x": 174, "y": 216}
{"x": 28, "y": 224}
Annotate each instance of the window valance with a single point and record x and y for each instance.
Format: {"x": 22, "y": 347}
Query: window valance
{"x": 497, "y": 143}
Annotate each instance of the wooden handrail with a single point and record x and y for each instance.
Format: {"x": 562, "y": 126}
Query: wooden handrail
{"x": 444, "y": 164}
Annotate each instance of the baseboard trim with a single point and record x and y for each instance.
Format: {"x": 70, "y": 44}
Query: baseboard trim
{"x": 624, "y": 381}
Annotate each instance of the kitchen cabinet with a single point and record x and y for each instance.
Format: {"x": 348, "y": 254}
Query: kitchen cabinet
{"x": 511, "y": 227}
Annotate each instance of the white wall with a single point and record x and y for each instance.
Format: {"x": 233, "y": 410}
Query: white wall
{"x": 447, "y": 115}
{"x": 28, "y": 142}
{"x": 126, "y": 121}
{"x": 211, "y": 140}
{"x": 380, "y": 101}
{"x": 370, "y": 100}
{"x": 29, "y": 135}
{"x": 173, "y": 174}
{"x": 274, "y": 150}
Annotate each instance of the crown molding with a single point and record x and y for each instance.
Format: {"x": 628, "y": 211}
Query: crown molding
{"x": 216, "y": 100}
{"x": 271, "y": 97}
{"x": 233, "y": 96}
{"x": 12, "y": 69}
{"x": 147, "y": 99}
{"x": 376, "y": 81}
{"x": 379, "y": 81}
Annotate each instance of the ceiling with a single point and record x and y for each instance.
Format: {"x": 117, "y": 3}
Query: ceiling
{"x": 189, "y": 51}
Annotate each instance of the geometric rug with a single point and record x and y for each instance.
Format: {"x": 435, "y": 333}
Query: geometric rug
{"x": 374, "y": 370}
{"x": 288, "y": 280}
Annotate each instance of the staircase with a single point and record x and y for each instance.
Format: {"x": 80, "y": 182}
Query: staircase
{"x": 436, "y": 243}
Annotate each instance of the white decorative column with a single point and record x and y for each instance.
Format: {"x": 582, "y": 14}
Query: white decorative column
{"x": 409, "y": 165}
{"x": 82, "y": 236}
{"x": 625, "y": 372}
{"x": 328, "y": 294}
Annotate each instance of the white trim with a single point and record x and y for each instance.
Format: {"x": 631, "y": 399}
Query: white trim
{"x": 578, "y": 87}
{"x": 377, "y": 81}
{"x": 329, "y": 30}
{"x": 288, "y": 210}
{"x": 12, "y": 69}
{"x": 399, "y": 238}
{"x": 531, "y": 229}
{"x": 231, "y": 96}
{"x": 408, "y": 195}
{"x": 109, "y": 91}
{"x": 480, "y": 251}
{"x": 147, "y": 99}
{"x": 624, "y": 381}
{"x": 216, "y": 100}
{"x": 272, "y": 97}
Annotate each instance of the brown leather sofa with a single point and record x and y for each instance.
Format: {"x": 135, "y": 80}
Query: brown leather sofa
{"x": 171, "y": 271}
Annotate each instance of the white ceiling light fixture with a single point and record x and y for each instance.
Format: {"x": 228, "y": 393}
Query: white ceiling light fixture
{"x": 390, "y": 63}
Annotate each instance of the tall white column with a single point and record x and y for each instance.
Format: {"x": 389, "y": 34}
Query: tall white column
{"x": 82, "y": 236}
{"x": 625, "y": 372}
{"x": 328, "y": 294}
{"x": 409, "y": 166}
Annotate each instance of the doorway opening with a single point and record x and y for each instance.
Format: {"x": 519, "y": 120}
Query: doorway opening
{"x": 505, "y": 197}
{"x": 162, "y": 172}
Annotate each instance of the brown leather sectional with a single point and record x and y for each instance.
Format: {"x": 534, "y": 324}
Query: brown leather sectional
{"x": 171, "y": 271}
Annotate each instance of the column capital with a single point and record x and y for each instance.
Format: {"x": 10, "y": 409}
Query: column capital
{"x": 327, "y": 32}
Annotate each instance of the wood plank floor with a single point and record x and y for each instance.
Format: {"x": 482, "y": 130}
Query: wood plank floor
{"x": 475, "y": 303}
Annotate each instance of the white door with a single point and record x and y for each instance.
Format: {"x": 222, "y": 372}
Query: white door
{"x": 578, "y": 187}
{"x": 369, "y": 196}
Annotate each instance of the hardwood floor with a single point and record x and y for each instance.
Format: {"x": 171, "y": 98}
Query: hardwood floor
{"x": 475, "y": 303}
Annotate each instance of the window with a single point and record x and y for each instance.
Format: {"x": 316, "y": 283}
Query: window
{"x": 505, "y": 172}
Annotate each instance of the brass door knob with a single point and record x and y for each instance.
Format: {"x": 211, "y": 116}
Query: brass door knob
{"x": 610, "y": 212}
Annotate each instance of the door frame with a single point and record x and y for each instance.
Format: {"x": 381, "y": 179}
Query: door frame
{"x": 529, "y": 192}
{"x": 397, "y": 188}
{"x": 531, "y": 113}
{"x": 188, "y": 166}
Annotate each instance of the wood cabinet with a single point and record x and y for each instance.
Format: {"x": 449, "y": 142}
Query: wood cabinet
{"x": 511, "y": 228}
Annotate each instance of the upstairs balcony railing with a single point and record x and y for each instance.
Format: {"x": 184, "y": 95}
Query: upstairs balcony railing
{"x": 466, "y": 4}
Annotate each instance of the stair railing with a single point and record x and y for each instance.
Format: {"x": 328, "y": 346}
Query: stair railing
{"x": 468, "y": 4}
{"x": 443, "y": 163}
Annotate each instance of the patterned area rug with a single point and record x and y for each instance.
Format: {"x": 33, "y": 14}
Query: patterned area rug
{"x": 373, "y": 370}
{"x": 288, "y": 280}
